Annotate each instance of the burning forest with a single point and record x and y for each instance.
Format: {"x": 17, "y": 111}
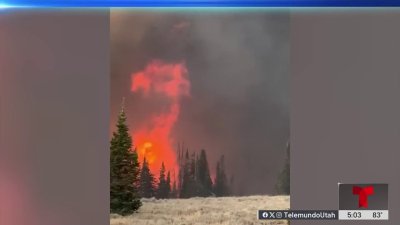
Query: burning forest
{"x": 193, "y": 177}
{"x": 188, "y": 171}
{"x": 206, "y": 110}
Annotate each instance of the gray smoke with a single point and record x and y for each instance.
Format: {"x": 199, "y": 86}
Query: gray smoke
{"x": 238, "y": 65}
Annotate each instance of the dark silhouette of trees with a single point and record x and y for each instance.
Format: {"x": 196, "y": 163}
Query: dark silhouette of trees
{"x": 164, "y": 186}
{"x": 221, "y": 183}
{"x": 194, "y": 175}
{"x": 124, "y": 170}
{"x": 194, "y": 178}
{"x": 203, "y": 176}
{"x": 147, "y": 182}
{"x": 188, "y": 188}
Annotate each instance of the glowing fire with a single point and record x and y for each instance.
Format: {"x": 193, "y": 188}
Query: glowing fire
{"x": 145, "y": 150}
{"x": 153, "y": 138}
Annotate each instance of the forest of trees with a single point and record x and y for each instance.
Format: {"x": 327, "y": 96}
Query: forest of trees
{"x": 129, "y": 181}
{"x": 193, "y": 179}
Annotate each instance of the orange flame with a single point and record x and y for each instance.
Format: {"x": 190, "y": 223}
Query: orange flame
{"x": 153, "y": 138}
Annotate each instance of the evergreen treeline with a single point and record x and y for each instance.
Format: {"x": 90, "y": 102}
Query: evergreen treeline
{"x": 221, "y": 183}
{"x": 194, "y": 178}
{"x": 129, "y": 182}
{"x": 147, "y": 184}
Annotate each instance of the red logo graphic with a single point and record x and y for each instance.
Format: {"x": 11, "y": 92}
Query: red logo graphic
{"x": 363, "y": 193}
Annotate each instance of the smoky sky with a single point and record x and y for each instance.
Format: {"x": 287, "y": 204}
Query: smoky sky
{"x": 238, "y": 66}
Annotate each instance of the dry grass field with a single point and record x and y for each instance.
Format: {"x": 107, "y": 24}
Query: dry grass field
{"x": 199, "y": 211}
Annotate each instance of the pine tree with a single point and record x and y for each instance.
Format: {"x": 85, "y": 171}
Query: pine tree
{"x": 124, "y": 170}
{"x": 168, "y": 187}
{"x": 185, "y": 191}
{"x": 221, "y": 185}
{"x": 193, "y": 187}
{"x": 147, "y": 183}
{"x": 203, "y": 175}
{"x": 163, "y": 188}
{"x": 283, "y": 184}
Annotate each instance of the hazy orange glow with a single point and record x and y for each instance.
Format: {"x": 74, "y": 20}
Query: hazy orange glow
{"x": 153, "y": 138}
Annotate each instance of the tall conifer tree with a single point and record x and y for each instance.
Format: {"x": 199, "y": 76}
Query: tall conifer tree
{"x": 124, "y": 170}
{"x": 221, "y": 184}
{"x": 203, "y": 175}
{"x": 147, "y": 182}
{"x": 163, "y": 190}
{"x": 185, "y": 191}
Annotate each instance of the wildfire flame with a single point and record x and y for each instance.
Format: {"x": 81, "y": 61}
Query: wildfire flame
{"x": 153, "y": 138}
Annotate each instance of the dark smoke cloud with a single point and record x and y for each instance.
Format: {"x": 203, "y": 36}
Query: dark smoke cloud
{"x": 238, "y": 66}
